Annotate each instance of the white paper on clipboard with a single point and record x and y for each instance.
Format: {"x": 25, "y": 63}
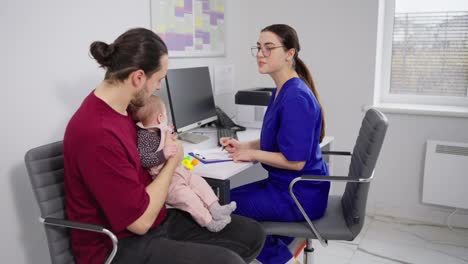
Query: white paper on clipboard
{"x": 215, "y": 154}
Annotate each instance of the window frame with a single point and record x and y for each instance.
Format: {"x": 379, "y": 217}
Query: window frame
{"x": 382, "y": 93}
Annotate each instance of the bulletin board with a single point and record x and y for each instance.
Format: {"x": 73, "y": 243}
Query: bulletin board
{"x": 190, "y": 28}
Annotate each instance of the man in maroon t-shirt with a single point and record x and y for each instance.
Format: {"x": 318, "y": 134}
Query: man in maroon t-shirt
{"x": 106, "y": 185}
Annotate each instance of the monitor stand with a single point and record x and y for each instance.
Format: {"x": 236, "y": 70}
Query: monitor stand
{"x": 192, "y": 138}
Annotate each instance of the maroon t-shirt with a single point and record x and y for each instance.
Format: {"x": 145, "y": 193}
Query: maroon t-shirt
{"x": 104, "y": 180}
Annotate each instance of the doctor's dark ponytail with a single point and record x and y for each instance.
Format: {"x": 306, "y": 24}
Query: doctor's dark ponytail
{"x": 289, "y": 39}
{"x": 305, "y": 75}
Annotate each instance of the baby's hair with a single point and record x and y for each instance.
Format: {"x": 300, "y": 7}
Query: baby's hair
{"x": 153, "y": 106}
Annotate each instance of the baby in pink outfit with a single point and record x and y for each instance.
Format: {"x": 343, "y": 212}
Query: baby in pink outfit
{"x": 188, "y": 192}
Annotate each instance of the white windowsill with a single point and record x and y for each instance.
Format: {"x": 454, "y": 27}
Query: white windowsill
{"x": 412, "y": 109}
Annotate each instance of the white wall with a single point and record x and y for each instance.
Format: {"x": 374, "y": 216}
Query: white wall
{"x": 397, "y": 190}
{"x": 47, "y": 71}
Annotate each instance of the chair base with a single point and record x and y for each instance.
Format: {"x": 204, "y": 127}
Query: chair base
{"x": 309, "y": 256}
{"x": 303, "y": 251}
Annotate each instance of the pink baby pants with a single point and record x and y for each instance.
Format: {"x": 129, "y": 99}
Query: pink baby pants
{"x": 191, "y": 193}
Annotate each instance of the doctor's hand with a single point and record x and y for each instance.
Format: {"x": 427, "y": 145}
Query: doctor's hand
{"x": 243, "y": 155}
{"x": 230, "y": 144}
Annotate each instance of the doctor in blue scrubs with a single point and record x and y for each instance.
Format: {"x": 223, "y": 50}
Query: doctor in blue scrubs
{"x": 292, "y": 130}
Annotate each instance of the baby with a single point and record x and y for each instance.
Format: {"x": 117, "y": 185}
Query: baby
{"x": 188, "y": 192}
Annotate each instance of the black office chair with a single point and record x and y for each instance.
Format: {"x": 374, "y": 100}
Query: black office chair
{"x": 344, "y": 217}
{"x": 45, "y": 169}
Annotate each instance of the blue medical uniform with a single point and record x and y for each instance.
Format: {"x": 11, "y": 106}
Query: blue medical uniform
{"x": 292, "y": 126}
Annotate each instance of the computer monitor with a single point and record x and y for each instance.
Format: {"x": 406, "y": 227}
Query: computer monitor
{"x": 190, "y": 97}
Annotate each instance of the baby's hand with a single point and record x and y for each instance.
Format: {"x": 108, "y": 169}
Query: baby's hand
{"x": 169, "y": 150}
{"x": 171, "y": 136}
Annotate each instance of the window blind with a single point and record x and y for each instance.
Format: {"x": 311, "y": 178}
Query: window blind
{"x": 430, "y": 54}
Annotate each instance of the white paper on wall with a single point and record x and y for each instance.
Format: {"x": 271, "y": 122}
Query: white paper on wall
{"x": 223, "y": 79}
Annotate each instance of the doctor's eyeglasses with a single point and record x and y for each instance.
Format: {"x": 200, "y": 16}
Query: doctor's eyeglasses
{"x": 266, "y": 51}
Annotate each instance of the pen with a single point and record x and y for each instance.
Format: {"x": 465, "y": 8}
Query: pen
{"x": 225, "y": 146}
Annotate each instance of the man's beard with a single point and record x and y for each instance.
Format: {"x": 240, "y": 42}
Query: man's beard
{"x": 140, "y": 97}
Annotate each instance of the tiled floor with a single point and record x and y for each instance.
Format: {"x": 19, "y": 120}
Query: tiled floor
{"x": 389, "y": 240}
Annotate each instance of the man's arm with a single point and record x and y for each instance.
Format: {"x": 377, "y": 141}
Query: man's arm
{"x": 157, "y": 191}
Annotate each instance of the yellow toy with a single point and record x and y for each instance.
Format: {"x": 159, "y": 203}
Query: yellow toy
{"x": 189, "y": 163}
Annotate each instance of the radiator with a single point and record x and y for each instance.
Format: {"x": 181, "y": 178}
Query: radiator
{"x": 446, "y": 174}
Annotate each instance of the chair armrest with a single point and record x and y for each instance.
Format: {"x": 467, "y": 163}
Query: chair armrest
{"x": 339, "y": 153}
{"x": 332, "y": 178}
{"x": 320, "y": 178}
{"x": 70, "y": 224}
{"x": 88, "y": 227}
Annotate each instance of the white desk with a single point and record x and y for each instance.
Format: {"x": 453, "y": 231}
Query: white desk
{"x": 222, "y": 170}
{"x": 218, "y": 174}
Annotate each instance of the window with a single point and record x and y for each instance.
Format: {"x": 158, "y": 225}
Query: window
{"x": 423, "y": 56}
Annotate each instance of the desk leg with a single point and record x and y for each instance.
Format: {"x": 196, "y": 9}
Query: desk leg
{"x": 222, "y": 189}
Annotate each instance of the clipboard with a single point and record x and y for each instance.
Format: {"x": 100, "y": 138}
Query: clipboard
{"x": 211, "y": 156}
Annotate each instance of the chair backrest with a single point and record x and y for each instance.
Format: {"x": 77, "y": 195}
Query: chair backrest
{"x": 45, "y": 169}
{"x": 363, "y": 160}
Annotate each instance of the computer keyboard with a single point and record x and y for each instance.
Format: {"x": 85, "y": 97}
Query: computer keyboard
{"x": 226, "y": 132}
